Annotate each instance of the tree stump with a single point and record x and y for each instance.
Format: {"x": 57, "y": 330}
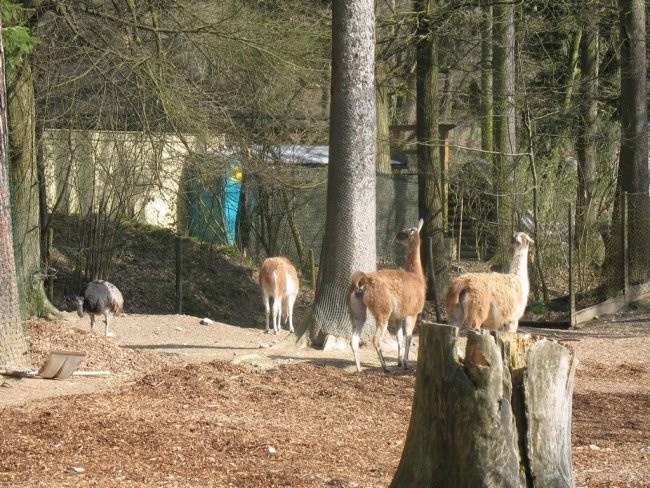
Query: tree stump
{"x": 500, "y": 417}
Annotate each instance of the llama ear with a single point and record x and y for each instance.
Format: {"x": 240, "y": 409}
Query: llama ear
{"x": 420, "y": 224}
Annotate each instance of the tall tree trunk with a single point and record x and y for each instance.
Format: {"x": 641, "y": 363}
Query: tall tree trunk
{"x": 14, "y": 347}
{"x": 587, "y": 132}
{"x": 505, "y": 138}
{"x": 25, "y": 192}
{"x": 430, "y": 171}
{"x": 572, "y": 66}
{"x": 633, "y": 168}
{"x": 501, "y": 417}
{"x": 384, "y": 66}
{"x": 487, "y": 107}
{"x": 383, "y": 130}
{"x": 350, "y": 239}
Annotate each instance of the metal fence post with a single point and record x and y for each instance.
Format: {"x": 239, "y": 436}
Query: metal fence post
{"x": 572, "y": 293}
{"x": 179, "y": 274}
{"x": 625, "y": 246}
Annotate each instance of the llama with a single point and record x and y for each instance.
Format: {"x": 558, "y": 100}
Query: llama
{"x": 396, "y": 295}
{"x": 100, "y": 298}
{"x": 494, "y": 301}
{"x": 279, "y": 279}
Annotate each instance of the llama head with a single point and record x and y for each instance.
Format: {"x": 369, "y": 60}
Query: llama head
{"x": 405, "y": 236}
{"x": 521, "y": 240}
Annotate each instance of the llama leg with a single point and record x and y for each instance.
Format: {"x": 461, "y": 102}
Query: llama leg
{"x": 376, "y": 341}
{"x": 267, "y": 310}
{"x": 409, "y": 325}
{"x": 400, "y": 338}
{"x": 290, "y": 302}
{"x": 511, "y": 326}
{"x": 357, "y": 328}
{"x": 277, "y": 312}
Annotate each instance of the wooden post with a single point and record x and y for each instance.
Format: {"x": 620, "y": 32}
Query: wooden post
{"x": 48, "y": 269}
{"x": 625, "y": 255}
{"x": 572, "y": 283}
{"x": 179, "y": 275}
{"x": 500, "y": 417}
{"x": 432, "y": 277}
{"x": 312, "y": 269}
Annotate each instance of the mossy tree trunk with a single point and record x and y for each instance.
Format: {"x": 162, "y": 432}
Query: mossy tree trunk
{"x": 499, "y": 418}
{"x": 25, "y": 192}
{"x": 14, "y": 346}
{"x": 431, "y": 205}
{"x": 504, "y": 126}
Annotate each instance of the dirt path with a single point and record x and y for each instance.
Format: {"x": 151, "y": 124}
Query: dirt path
{"x": 146, "y": 342}
{"x": 607, "y": 347}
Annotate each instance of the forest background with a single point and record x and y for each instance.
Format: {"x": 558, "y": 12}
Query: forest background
{"x": 506, "y": 116}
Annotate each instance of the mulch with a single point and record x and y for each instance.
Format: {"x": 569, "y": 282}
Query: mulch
{"x": 299, "y": 425}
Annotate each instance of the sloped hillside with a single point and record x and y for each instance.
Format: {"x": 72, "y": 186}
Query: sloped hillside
{"x": 218, "y": 282}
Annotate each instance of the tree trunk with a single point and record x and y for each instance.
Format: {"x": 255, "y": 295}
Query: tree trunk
{"x": 430, "y": 171}
{"x": 14, "y": 347}
{"x": 586, "y": 144}
{"x": 487, "y": 107}
{"x": 383, "y": 132}
{"x": 499, "y": 418}
{"x": 505, "y": 139}
{"x": 633, "y": 168}
{"x": 25, "y": 193}
{"x": 349, "y": 243}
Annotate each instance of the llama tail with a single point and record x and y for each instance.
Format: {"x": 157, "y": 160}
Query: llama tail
{"x": 455, "y": 302}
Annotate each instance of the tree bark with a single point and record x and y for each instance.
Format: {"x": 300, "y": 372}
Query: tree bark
{"x": 504, "y": 126}
{"x": 14, "y": 347}
{"x": 633, "y": 176}
{"x": 487, "y": 106}
{"x": 500, "y": 417}
{"x": 383, "y": 130}
{"x": 25, "y": 193}
{"x": 430, "y": 172}
{"x": 586, "y": 144}
{"x": 349, "y": 243}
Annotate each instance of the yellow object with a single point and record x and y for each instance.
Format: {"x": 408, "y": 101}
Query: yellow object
{"x": 237, "y": 174}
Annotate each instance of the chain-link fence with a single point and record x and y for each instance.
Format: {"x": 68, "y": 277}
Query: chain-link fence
{"x": 571, "y": 262}
{"x": 611, "y": 259}
{"x": 592, "y": 264}
{"x": 293, "y": 225}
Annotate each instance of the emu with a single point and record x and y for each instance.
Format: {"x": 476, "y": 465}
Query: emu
{"x": 100, "y": 298}
{"x": 494, "y": 301}
{"x": 390, "y": 295}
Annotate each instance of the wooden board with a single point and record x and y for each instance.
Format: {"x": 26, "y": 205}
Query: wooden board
{"x": 60, "y": 364}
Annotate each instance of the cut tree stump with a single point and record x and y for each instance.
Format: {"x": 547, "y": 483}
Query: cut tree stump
{"x": 500, "y": 417}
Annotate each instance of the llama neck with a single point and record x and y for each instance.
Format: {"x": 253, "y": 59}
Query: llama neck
{"x": 413, "y": 263}
{"x": 519, "y": 263}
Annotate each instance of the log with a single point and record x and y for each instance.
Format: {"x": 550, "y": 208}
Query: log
{"x": 499, "y": 417}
